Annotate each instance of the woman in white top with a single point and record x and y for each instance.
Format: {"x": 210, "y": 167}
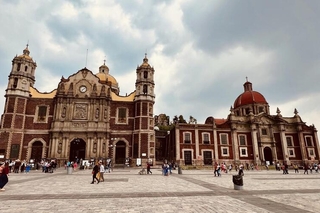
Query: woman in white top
{"x": 101, "y": 171}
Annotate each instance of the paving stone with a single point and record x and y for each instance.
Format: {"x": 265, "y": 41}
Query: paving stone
{"x": 193, "y": 191}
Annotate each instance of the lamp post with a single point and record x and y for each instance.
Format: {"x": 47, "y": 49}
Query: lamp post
{"x": 168, "y": 145}
{"x": 113, "y": 147}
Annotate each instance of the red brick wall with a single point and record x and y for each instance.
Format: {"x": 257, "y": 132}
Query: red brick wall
{"x": 144, "y": 109}
{"x": 296, "y": 146}
{"x": 144, "y": 143}
{"x": 230, "y": 149}
{"x": 7, "y": 120}
{"x": 4, "y": 137}
{"x": 10, "y": 106}
{"x": 278, "y": 146}
{"x": 249, "y": 146}
{"x": 18, "y": 121}
{"x": 138, "y": 108}
{"x": 21, "y": 103}
{"x": 16, "y": 138}
{"x": 144, "y": 123}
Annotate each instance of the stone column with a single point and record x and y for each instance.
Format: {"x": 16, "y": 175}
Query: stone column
{"x": 66, "y": 147}
{"x": 284, "y": 143}
{"x": 197, "y": 142}
{"x": 317, "y": 144}
{"x": 256, "y": 158}
{"x": 177, "y": 134}
{"x": 54, "y": 147}
{"x": 235, "y": 144}
{"x": 304, "y": 155}
{"x": 215, "y": 144}
{"x": 99, "y": 147}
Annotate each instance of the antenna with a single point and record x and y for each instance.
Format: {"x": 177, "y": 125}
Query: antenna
{"x": 86, "y": 58}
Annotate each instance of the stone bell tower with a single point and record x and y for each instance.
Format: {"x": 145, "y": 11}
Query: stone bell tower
{"x": 144, "y": 138}
{"x": 21, "y": 78}
{"x": 22, "y": 75}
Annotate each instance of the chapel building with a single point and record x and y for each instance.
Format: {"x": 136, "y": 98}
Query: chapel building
{"x": 83, "y": 118}
{"x": 250, "y": 134}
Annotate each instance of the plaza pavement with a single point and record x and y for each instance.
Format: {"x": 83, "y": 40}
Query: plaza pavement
{"x": 193, "y": 191}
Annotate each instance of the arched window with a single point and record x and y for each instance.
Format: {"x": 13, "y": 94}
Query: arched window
{"x": 145, "y": 74}
{"x": 15, "y": 83}
{"x": 25, "y": 68}
{"x": 145, "y": 89}
{"x": 19, "y": 66}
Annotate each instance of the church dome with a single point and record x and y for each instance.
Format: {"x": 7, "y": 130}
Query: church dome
{"x": 145, "y": 63}
{"x": 107, "y": 77}
{"x": 26, "y": 54}
{"x": 249, "y": 97}
{"x": 104, "y": 75}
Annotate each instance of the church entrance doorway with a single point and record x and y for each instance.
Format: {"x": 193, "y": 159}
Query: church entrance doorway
{"x": 187, "y": 157}
{"x": 267, "y": 154}
{"x": 120, "y": 152}
{"x": 77, "y": 149}
{"x": 36, "y": 151}
{"x": 207, "y": 158}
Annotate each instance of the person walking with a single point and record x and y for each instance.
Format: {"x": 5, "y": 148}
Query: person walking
{"x": 101, "y": 178}
{"x": 4, "y": 171}
{"x": 241, "y": 170}
{"x": 305, "y": 167}
{"x": 148, "y": 168}
{"x": 215, "y": 169}
{"x": 95, "y": 171}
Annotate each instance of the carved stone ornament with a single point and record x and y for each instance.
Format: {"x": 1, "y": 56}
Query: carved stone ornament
{"x": 81, "y": 111}
{"x": 84, "y": 73}
{"x": 63, "y": 114}
{"x": 79, "y": 125}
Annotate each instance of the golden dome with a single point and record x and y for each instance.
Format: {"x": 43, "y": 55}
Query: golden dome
{"x": 25, "y": 54}
{"x": 145, "y": 62}
{"x": 108, "y": 78}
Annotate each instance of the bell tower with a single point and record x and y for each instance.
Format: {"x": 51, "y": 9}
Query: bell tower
{"x": 22, "y": 76}
{"x": 144, "y": 138}
{"x": 145, "y": 82}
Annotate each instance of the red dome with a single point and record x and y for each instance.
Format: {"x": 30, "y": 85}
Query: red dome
{"x": 249, "y": 97}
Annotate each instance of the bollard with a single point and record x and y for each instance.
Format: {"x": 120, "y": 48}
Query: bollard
{"x": 69, "y": 170}
{"x": 179, "y": 170}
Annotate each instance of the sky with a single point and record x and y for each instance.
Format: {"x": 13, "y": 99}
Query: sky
{"x": 202, "y": 51}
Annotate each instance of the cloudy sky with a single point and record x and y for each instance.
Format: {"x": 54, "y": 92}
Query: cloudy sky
{"x": 202, "y": 51}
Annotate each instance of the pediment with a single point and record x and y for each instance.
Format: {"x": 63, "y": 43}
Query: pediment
{"x": 81, "y": 84}
{"x": 264, "y": 120}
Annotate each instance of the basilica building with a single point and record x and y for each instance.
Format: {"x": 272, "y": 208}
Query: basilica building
{"x": 250, "y": 134}
{"x": 84, "y": 117}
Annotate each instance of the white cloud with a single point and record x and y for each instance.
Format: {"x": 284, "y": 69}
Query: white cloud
{"x": 201, "y": 52}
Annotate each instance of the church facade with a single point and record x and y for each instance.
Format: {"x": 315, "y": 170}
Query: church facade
{"x": 84, "y": 117}
{"x": 250, "y": 134}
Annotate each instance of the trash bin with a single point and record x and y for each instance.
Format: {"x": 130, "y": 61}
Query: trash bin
{"x": 237, "y": 182}
{"x": 179, "y": 170}
{"x": 69, "y": 170}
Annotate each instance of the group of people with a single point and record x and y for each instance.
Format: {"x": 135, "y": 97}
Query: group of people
{"x": 18, "y": 166}
{"x": 167, "y": 168}
{"x": 306, "y": 167}
{"x": 310, "y": 167}
{"x": 220, "y": 168}
{"x": 99, "y": 169}
{"x": 48, "y": 166}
